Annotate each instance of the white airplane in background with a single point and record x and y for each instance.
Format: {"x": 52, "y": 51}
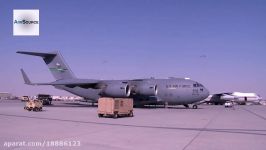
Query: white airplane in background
{"x": 237, "y": 97}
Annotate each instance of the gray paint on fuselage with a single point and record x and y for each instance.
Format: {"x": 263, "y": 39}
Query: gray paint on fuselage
{"x": 178, "y": 90}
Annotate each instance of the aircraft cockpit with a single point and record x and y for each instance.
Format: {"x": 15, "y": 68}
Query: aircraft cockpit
{"x": 197, "y": 85}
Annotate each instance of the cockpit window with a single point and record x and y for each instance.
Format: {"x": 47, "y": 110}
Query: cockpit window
{"x": 197, "y": 85}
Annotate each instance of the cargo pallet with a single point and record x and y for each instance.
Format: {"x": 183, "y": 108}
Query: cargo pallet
{"x": 115, "y": 107}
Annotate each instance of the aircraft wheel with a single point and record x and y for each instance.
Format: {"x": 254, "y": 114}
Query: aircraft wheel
{"x": 195, "y": 106}
{"x": 131, "y": 114}
{"x": 115, "y": 115}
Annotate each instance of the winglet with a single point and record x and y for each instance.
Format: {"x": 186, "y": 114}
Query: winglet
{"x": 25, "y": 77}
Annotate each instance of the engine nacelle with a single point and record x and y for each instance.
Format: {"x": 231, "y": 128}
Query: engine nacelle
{"x": 118, "y": 90}
{"x": 146, "y": 89}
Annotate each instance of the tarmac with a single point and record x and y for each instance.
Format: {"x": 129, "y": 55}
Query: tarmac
{"x": 76, "y": 126}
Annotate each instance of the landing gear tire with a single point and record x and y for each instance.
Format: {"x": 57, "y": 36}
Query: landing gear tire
{"x": 195, "y": 106}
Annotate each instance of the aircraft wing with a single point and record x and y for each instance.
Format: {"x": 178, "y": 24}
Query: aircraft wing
{"x": 83, "y": 83}
{"x": 71, "y": 83}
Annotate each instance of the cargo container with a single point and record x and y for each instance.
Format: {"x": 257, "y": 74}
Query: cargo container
{"x": 115, "y": 107}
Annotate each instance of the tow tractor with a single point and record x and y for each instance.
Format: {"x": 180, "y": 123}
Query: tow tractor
{"x": 34, "y": 105}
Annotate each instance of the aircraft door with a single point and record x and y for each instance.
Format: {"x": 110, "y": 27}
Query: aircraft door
{"x": 195, "y": 91}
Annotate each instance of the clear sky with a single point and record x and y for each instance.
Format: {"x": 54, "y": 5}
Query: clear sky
{"x": 221, "y": 44}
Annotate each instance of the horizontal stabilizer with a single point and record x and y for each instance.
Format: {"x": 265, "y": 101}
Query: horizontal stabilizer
{"x": 37, "y": 54}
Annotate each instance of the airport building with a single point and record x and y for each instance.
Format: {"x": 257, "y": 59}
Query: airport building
{"x": 5, "y": 95}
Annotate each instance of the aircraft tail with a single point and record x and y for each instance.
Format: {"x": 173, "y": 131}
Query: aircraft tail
{"x": 25, "y": 77}
{"x": 55, "y": 63}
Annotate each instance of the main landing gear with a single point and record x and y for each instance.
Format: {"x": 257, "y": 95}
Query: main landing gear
{"x": 193, "y": 106}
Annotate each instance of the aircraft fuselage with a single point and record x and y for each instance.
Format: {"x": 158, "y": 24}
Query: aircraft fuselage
{"x": 177, "y": 91}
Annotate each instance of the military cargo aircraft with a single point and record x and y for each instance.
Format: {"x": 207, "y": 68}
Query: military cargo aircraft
{"x": 179, "y": 91}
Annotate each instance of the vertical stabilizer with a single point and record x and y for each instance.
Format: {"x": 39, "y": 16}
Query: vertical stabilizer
{"x": 25, "y": 77}
{"x": 55, "y": 63}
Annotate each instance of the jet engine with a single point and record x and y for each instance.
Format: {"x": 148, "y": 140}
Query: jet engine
{"x": 118, "y": 90}
{"x": 146, "y": 89}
